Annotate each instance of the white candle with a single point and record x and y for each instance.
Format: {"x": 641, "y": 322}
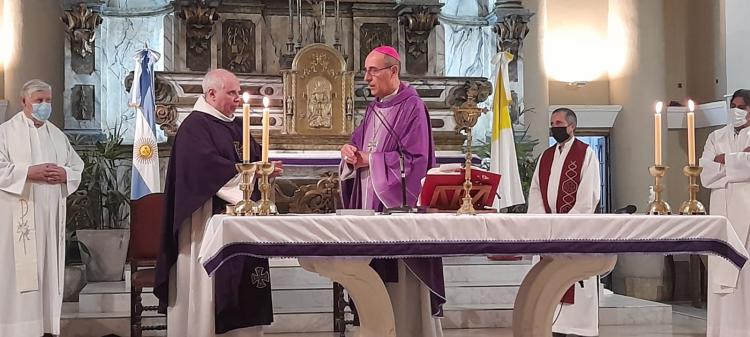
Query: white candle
{"x": 691, "y": 132}
{"x": 266, "y": 133}
{"x": 246, "y": 127}
{"x": 657, "y": 134}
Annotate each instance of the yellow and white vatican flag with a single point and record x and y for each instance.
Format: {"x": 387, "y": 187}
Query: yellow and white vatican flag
{"x": 145, "y": 175}
{"x": 503, "y": 152}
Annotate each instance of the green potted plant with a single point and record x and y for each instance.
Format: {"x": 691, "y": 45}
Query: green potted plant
{"x": 98, "y": 210}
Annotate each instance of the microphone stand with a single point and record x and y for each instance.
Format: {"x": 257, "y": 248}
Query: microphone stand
{"x": 404, "y": 208}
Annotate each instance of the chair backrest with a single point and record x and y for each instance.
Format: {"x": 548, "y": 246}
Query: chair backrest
{"x": 146, "y": 217}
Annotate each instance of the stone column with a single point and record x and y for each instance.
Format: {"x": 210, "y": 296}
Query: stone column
{"x": 637, "y": 80}
{"x": 511, "y": 29}
{"x": 35, "y": 50}
{"x": 535, "y": 80}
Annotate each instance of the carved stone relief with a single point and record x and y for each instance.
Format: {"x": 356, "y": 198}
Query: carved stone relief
{"x": 199, "y": 21}
{"x": 372, "y": 35}
{"x": 296, "y": 196}
{"x": 318, "y": 8}
{"x": 166, "y": 118}
{"x": 80, "y": 27}
{"x": 82, "y": 102}
{"x": 418, "y": 25}
{"x": 238, "y": 47}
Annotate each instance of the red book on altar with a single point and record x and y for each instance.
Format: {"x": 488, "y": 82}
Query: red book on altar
{"x": 443, "y": 188}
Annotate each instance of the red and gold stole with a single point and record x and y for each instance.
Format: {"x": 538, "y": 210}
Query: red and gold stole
{"x": 570, "y": 179}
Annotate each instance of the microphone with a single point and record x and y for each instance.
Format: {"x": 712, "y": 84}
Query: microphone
{"x": 629, "y": 209}
{"x": 404, "y": 208}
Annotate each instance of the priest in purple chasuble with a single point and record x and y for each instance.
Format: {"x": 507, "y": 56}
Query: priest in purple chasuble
{"x": 567, "y": 180}
{"x": 201, "y": 181}
{"x": 726, "y": 172}
{"x": 370, "y": 179}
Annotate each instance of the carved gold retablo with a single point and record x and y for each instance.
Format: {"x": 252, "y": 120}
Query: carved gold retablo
{"x": 319, "y": 93}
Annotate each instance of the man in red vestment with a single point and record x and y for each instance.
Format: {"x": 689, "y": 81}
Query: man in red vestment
{"x": 567, "y": 180}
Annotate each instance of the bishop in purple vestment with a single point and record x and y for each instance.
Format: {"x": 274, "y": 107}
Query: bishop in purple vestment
{"x": 370, "y": 178}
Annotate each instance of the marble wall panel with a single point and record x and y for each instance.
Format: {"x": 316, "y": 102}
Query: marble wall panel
{"x": 121, "y": 38}
{"x": 358, "y": 52}
{"x": 73, "y": 79}
{"x": 470, "y": 46}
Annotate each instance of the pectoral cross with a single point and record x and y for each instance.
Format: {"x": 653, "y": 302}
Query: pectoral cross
{"x": 372, "y": 145}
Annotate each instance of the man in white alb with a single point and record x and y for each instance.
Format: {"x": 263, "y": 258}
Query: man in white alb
{"x": 38, "y": 170}
{"x": 567, "y": 180}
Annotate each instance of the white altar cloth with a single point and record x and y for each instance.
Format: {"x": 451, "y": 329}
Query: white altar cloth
{"x": 576, "y": 246}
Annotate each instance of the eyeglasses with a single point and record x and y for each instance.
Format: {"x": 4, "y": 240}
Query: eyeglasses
{"x": 373, "y": 70}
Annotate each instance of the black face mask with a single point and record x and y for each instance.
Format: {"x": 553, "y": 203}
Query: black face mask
{"x": 560, "y": 133}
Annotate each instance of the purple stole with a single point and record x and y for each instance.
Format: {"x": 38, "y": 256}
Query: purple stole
{"x": 570, "y": 179}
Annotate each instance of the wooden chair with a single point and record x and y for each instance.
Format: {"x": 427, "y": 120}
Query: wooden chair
{"x": 146, "y": 216}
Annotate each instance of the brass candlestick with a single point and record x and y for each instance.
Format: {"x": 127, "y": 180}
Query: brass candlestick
{"x": 658, "y": 206}
{"x": 466, "y": 116}
{"x": 246, "y": 206}
{"x": 265, "y": 206}
{"x": 692, "y": 206}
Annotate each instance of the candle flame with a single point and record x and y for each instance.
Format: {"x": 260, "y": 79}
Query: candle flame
{"x": 691, "y": 105}
{"x": 266, "y": 102}
{"x": 246, "y": 97}
{"x": 659, "y": 106}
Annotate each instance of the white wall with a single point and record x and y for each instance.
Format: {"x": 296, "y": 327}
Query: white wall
{"x": 737, "y": 44}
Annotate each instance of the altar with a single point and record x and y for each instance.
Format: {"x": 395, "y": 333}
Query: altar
{"x": 574, "y": 246}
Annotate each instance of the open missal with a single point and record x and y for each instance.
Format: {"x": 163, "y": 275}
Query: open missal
{"x": 443, "y": 187}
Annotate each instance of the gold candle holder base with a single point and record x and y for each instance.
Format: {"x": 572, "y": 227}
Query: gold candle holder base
{"x": 658, "y": 206}
{"x": 246, "y": 206}
{"x": 692, "y": 206}
{"x": 467, "y": 206}
{"x": 265, "y": 206}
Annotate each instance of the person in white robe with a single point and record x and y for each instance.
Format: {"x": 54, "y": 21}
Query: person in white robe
{"x": 726, "y": 172}
{"x": 38, "y": 170}
{"x": 570, "y": 162}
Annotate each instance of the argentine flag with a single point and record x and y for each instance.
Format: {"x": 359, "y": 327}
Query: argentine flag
{"x": 145, "y": 179}
{"x": 503, "y": 152}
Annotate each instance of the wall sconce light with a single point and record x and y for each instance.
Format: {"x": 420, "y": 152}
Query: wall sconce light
{"x": 577, "y": 84}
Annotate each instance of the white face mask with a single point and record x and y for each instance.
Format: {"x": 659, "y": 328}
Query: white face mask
{"x": 739, "y": 117}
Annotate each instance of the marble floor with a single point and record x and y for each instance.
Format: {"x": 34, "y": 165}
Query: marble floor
{"x": 682, "y": 326}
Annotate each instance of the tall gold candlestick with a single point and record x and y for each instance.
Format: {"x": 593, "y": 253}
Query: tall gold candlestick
{"x": 691, "y": 132}
{"x": 658, "y": 206}
{"x": 466, "y": 115}
{"x": 246, "y": 206}
{"x": 692, "y": 206}
{"x": 266, "y": 206}
{"x": 246, "y": 128}
{"x": 266, "y": 132}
